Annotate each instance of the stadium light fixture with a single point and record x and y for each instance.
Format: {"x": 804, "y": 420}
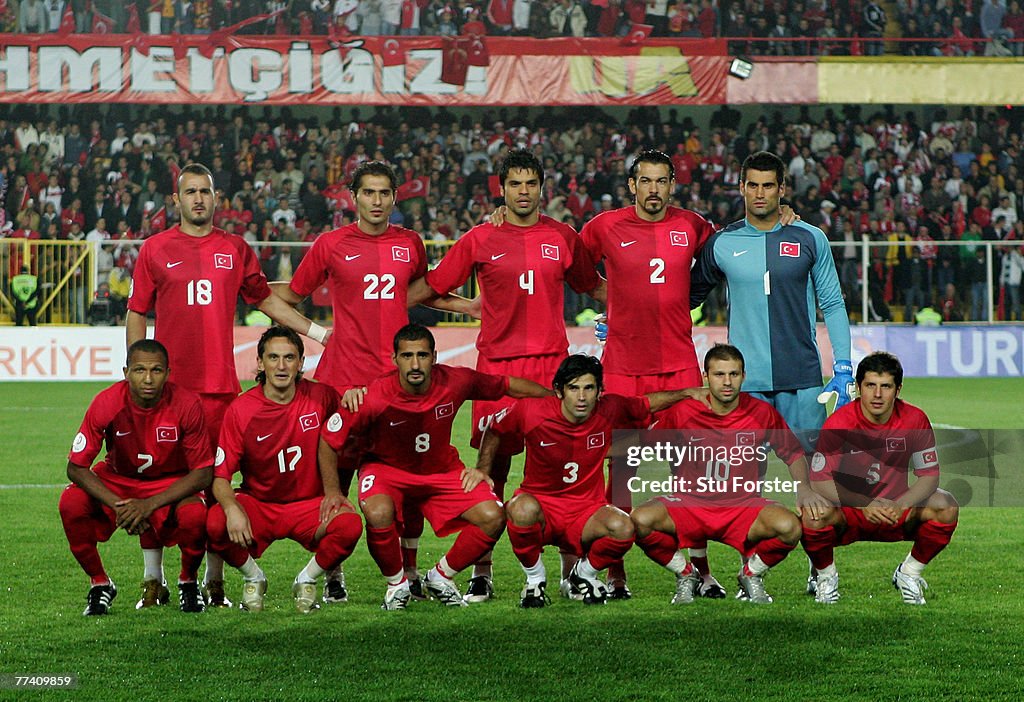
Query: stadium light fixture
{"x": 741, "y": 67}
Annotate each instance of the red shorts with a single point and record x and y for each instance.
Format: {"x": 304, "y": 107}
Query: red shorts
{"x": 635, "y": 385}
{"x": 162, "y": 521}
{"x": 272, "y": 521}
{"x": 124, "y": 486}
{"x": 565, "y": 519}
{"x": 438, "y": 496}
{"x": 697, "y": 524}
{"x": 215, "y": 406}
{"x": 858, "y": 528}
{"x": 539, "y": 369}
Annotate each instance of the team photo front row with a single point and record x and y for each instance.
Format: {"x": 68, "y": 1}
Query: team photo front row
{"x": 874, "y": 476}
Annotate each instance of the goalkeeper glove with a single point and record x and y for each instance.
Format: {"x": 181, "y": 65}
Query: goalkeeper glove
{"x": 601, "y": 328}
{"x": 842, "y": 384}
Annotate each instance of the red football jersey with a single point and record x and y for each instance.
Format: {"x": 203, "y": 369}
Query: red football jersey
{"x": 369, "y": 278}
{"x": 521, "y": 271}
{"x": 726, "y": 454}
{"x": 563, "y": 458}
{"x": 874, "y": 460}
{"x": 275, "y": 446}
{"x": 143, "y": 444}
{"x": 194, "y": 284}
{"x": 414, "y": 432}
{"x": 648, "y": 269}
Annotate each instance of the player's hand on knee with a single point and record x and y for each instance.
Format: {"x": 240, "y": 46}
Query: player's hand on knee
{"x": 842, "y": 384}
{"x": 471, "y": 477}
{"x": 882, "y": 511}
{"x": 353, "y": 398}
{"x": 333, "y": 505}
{"x": 132, "y": 514}
{"x": 810, "y": 503}
{"x": 239, "y": 528}
{"x": 601, "y": 328}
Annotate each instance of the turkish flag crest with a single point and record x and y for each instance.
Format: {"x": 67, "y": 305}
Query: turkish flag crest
{"x": 400, "y": 253}
{"x": 745, "y": 438}
{"x": 308, "y": 422}
{"x": 549, "y": 251}
{"x": 222, "y": 260}
{"x": 678, "y": 239}
{"x": 444, "y": 411}
{"x": 896, "y": 444}
{"x": 167, "y": 434}
{"x": 595, "y": 440}
{"x": 789, "y": 248}
{"x": 930, "y": 458}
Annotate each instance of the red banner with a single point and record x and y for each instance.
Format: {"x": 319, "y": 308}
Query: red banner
{"x": 371, "y": 70}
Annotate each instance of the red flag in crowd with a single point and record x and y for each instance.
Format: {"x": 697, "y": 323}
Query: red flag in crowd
{"x": 494, "y": 186}
{"x": 133, "y": 26}
{"x": 393, "y": 53}
{"x": 67, "y": 22}
{"x": 101, "y": 24}
{"x": 417, "y": 187}
{"x": 477, "y": 54}
{"x": 341, "y": 196}
{"x": 158, "y": 220}
{"x": 454, "y": 60}
{"x": 638, "y": 33}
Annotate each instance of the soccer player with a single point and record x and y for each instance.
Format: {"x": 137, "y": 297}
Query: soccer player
{"x": 271, "y": 435}
{"x": 719, "y": 498}
{"x": 562, "y": 497}
{"x": 406, "y": 420}
{"x": 865, "y": 455}
{"x": 369, "y": 265}
{"x": 522, "y": 266}
{"x": 778, "y": 274}
{"x": 648, "y": 250}
{"x": 158, "y": 458}
{"x": 192, "y": 275}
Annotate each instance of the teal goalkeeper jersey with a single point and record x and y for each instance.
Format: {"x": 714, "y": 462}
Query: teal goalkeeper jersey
{"x": 776, "y": 279}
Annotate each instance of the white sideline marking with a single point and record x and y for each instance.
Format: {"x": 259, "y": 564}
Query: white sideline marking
{"x": 26, "y": 486}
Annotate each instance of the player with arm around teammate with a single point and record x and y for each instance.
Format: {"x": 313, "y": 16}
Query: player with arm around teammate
{"x": 719, "y": 497}
{"x": 271, "y": 435}
{"x": 406, "y": 420}
{"x": 562, "y": 497}
{"x": 865, "y": 456}
{"x": 158, "y": 458}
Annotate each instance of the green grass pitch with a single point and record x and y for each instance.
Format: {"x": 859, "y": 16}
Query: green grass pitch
{"x": 964, "y": 645}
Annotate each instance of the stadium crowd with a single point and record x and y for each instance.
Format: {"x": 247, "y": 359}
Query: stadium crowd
{"x": 105, "y": 175}
{"x": 777, "y": 27}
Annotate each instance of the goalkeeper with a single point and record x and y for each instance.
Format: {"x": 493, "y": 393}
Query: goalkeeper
{"x": 777, "y": 276}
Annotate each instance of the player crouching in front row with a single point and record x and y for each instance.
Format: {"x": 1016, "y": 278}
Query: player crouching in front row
{"x": 562, "y": 497}
{"x": 864, "y": 456}
{"x": 407, "y": 424}
{"x": 271, "y": 435}
{"x": 158, "y": 459}
{"x": 714, "y": 503}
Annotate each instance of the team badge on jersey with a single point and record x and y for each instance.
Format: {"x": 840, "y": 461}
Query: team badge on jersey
{"x": 745, "y": 438}
{"x": 167, "y": 434}
{"x": 789, "y": 248}
{"x": 221, "y": 457}
{"x": 818, "y": 463}
{"x": 309, "y": 421}
{"x": 335, "y": 422}
{"x": 445, "y": 410}
{"x": 223, "y": 260}
{"x": 595, "y": 440}
{"x": 78, "y": 445}
{"x": 896, "y": 443}
{"x": 678, "y": 239}
{"x": 549, "y": 251}
{"x": 400, "y": 253}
